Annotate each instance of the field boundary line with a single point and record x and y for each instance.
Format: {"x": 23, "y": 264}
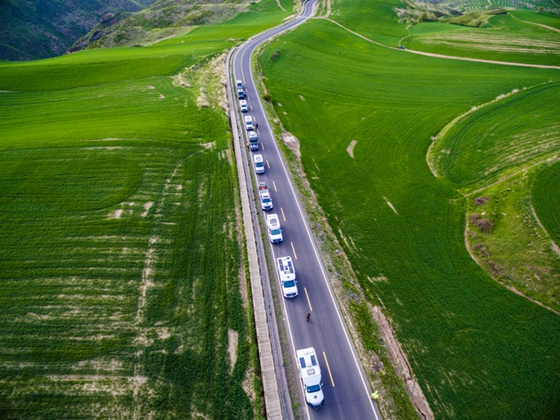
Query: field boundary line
{"x": 449, "y": 57}
{"x": 267, "y": 360}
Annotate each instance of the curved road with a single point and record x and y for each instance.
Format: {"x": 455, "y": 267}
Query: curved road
{"x": 347, "y": 393}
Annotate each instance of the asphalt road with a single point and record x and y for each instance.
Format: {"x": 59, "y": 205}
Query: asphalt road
{"x": 347, "y": 393}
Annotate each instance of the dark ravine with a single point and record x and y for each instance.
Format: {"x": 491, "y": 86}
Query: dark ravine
{"x": 37, "y": 29}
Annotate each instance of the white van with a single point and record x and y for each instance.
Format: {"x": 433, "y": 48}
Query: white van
{"x": 259, "y": 164}
{"x": 287, "y": 274}
{"x": 249, "y": 123}
{"x": 274, "y": 228}
{"x": 310, "y": 375}
{"x": 243, "y": 105}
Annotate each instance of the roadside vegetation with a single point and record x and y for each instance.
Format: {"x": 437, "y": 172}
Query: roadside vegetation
{"x": 365, "y": 117}
{"x": 123, "y": 285}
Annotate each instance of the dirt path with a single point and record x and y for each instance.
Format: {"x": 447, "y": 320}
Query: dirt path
{"x": 402, "y": 366}
{"x": 480, "y": 60}
{"x": 450, "y": 57}
{"x": 280, "y": 6}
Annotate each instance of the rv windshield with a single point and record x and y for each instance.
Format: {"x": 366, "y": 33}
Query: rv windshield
{"x": 313, "y": 388}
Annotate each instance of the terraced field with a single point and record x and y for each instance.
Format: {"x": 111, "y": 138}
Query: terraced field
{"x": 365, "y": 117}
{"x": 122, "y": 281}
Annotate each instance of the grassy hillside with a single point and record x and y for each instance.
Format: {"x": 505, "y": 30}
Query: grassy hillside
{"x": 122, "y": 281}
{"x": 478, "y": 350}
{"x": 497, "y": 139}
{"x": 31, "y": 30}
{"x": 171, "y": 20}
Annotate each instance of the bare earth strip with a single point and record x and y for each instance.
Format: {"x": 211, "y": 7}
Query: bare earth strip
{"x": 400, "y": 362}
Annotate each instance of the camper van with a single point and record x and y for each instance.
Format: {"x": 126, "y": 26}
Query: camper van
{"x": 274, "y": 228}
{"x": 259, "y": 164}
{"x": 249, "y": 123}
{"x": 287, "y": 274}
{"x": 310, "y": 375}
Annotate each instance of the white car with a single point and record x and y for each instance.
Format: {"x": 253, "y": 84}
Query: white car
{"x": 274, "y": 228}
{"x": 249, "y": 123}
{"x": 243, "y": 105}
{"x": 266, "y": 201}
{"x": 287, "y": 274}
{"x": 253, "y": 136}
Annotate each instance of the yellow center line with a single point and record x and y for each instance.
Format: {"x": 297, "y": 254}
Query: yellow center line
{"x": 328, "y": 368}
{"x": 267, "y": 164}
{"x": 274, "y": 184}
{"x": 282, "y": 210}
{"x": 293, "y": 249}
{"x": 308, "y": 301}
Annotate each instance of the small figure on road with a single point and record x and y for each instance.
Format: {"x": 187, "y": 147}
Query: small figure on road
{"x": 257, "y": 126}
{"x": 374, "y": 396}
{"x": 308, "y": 316}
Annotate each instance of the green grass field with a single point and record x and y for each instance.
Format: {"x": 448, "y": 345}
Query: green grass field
{"x": 495, "y": 140}
{"x": 507, "y": 38}
{"x": 478, "y": 350}
{"x": 545, "y": 194}
{"x": 508, "y": 242}
{"x": 122, "y": 288}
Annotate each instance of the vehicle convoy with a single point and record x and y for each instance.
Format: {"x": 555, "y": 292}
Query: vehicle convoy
{"x": 243, "y": 105}
{"x": 259, "y": 164}
{"x": 274, "y": 228}
{"x": 253, "y": 141}
{"x": 266, "y": 200}
{"x": 310, "y": 375}
{"x": 287, "y": 274}
{"x": 249, "y": 123}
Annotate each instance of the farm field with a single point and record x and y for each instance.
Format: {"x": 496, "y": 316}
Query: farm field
{"x": 478, "y": 350}
{"x": 507, "y": 38}
{"x": 123, "y": 288}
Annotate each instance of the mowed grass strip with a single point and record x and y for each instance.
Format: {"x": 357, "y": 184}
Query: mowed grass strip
{"x": 478, "y": 350}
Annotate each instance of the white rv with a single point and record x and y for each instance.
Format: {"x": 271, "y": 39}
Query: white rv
{"x": 287, "y": 274}
{"x": 310, "y": 375}
{"x": 259, "y": 164}
{"x": 274, "y": 228}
